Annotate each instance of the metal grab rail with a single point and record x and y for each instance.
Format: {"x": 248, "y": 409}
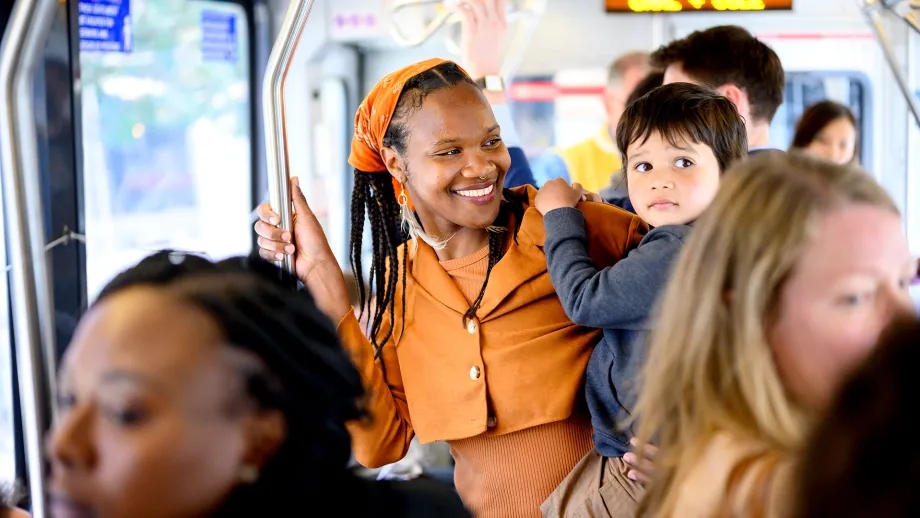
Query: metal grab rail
{"x": 32, "y": 308}
{"x": 276, "y": 148}
{"x": 873, "y": 10}
{"x": 525, "y": 13}
{"x": 442, "y": 14}
{"x": 525, "y": 21}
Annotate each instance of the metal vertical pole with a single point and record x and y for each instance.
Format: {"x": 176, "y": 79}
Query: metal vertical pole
{"x": 276, "y": 145}
{"x": 30, "y": 290}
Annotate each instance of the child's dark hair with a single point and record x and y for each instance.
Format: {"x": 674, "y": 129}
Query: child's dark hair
{"x": 863, "y": 458}
{"x": 374, "y": 196}
{"x": 681, "y": 112}
{"x": 305, "y": 372}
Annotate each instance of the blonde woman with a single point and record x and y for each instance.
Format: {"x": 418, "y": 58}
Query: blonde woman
{"x": 784, "y": 285}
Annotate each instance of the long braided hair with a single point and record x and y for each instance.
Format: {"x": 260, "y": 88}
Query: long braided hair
{"x": 374, "y": 198}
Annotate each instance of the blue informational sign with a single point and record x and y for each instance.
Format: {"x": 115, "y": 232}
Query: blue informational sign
{"x": 219, "y": 36}
{"x": 105, "y": 26}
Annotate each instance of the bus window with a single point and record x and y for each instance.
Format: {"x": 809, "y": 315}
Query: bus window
{"x": 166, "y": 133}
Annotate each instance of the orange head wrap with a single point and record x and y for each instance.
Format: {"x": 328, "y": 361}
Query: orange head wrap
{"x": 374, "y": 117}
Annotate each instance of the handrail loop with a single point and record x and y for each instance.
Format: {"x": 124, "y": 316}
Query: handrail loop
{"x": 32, "y": 307}
{"x": 442, "y": 14}
{"x": 873, "y": 10}
{"x": 276, "y": 145}
{"x": 526, "y": 13}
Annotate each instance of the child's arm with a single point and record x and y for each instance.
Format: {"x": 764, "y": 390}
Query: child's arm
{"x": 620, "y": 296}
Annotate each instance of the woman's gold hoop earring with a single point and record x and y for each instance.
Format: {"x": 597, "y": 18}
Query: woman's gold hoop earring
{"x": 402, "y": 199}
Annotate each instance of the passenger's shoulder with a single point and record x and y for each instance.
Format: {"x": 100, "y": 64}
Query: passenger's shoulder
{"x": 527, "y": 193}
{"x": 738, "y": 473}
{"x": 606, "y": 215}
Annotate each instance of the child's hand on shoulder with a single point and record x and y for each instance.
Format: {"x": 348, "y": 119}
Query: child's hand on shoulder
{"x": 556, "y": 194}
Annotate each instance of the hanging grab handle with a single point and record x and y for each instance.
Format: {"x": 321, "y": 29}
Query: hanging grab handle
{"x": 442, "y": 13}
{"x": 524, "y": 13}
{"x": 276, "y": 145}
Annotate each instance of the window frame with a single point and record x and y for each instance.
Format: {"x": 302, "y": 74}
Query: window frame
{"x": 64, "y": 203}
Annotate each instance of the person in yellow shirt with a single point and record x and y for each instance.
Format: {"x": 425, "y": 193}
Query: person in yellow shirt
{"x": 592, "y": 161}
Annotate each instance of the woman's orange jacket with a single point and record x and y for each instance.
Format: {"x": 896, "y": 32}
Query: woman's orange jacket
{"x": 519, "y": 364}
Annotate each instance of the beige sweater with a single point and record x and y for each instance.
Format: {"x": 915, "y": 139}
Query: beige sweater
{"x": 736, "y": 477}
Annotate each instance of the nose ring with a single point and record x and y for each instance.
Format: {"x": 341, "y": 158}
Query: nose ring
{"x": 482, "y": 178}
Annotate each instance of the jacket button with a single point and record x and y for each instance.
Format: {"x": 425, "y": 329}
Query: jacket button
{"x": 492, "y": 421}
{"x": 475, "y": 373}
{"x": 471, "y": 327}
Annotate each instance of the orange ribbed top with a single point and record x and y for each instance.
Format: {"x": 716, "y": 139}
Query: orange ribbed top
{"x": 468, "y": 272}
{"x": 510, "y": 475}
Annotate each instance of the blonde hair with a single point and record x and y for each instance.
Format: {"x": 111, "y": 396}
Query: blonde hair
{"x": 710, "y": 368}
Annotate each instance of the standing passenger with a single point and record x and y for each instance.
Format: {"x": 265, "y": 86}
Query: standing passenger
{"x": 828, "y": 130}
{"x": 735, "y": 63}
{"x": 469, "y": 342}
{"x": 676, "y": 141}
{"x": 591, "y": 161}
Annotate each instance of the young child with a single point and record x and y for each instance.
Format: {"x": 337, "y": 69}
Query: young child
{"x": 676, "y": 142}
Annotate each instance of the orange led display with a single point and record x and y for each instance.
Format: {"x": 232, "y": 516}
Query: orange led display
{"x": 678, "y": 6}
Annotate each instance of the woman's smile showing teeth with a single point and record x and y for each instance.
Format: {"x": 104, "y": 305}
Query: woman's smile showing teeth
{"x": 479, "y": 195}
{"x": 477, "y": 192}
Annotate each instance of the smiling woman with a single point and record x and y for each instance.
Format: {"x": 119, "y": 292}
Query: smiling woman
{"x": 457, "y": 207}
{"x": 467, "y": 329}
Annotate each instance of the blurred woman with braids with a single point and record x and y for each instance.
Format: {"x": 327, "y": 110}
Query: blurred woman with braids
{"x": 199, "y": 389}
{"x": 469, "y": 343}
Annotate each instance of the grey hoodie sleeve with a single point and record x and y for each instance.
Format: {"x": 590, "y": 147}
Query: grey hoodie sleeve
{"x": 620, "y": 296}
